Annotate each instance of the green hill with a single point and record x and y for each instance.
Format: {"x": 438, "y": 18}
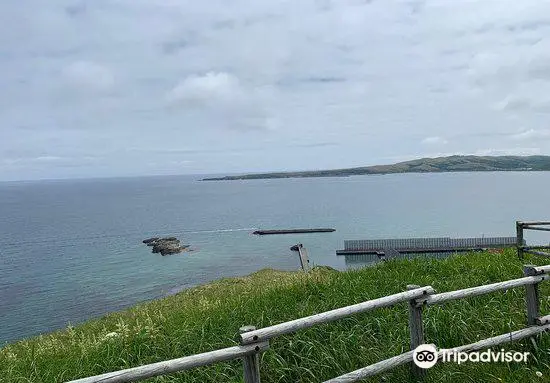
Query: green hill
{"x": 422, "y": 165}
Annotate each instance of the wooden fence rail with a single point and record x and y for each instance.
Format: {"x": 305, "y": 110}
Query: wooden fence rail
{"x": 267, "y": 333}
{"x": 485, "y": 289}
{"x": 520, "y": 241}
{"x": 168, "y": 366}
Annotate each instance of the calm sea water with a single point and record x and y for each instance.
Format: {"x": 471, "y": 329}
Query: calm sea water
{"x": 71, "y": 250}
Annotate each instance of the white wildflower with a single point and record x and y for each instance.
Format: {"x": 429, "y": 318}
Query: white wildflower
{"x": 111, "y": 335}
{"x": 11, "y": 355}
{"x": 122, "y": 328}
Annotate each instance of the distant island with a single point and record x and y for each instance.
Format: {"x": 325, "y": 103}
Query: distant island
{"x": 422, "y": 165}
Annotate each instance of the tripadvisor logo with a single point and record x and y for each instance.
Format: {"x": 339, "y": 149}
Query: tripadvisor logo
{"x": 427, "y": 355}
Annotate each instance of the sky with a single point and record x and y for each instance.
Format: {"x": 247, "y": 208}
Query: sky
{"x": 106, "y": 88}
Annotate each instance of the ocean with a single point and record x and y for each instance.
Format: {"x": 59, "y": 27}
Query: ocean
{"x": 71, "y": 250}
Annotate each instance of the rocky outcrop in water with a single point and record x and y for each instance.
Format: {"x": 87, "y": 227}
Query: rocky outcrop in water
{"x": 166, "y": 245}
{"x": 150, "y": 240}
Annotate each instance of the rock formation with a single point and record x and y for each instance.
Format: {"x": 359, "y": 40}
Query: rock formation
{"x": 150, "y": 240}
{"x": 166, "y": 245}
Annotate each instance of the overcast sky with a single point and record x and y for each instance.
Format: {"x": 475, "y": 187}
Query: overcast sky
{"x": 137, "y": 87}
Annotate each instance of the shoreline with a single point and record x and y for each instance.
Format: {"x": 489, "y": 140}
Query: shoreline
{"x": 450, "y": 164}
{"x": 247, "y": 178}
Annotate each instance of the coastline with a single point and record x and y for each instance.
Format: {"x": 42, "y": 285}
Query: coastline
{"x": 248, "y": 177}
{"x": 450, "y": 164}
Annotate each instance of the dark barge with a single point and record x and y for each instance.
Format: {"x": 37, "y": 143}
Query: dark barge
{"x": 293, "y": 231}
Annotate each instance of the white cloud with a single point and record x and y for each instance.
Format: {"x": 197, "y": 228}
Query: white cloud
{"x": 219, "y": 99}
{"x": 531, "y": 135}
{"x": 48, "y": 158}
{"x": 513, "y": 103}
{"x": 539, "y": 67}
{"x": 43, "y": 160}
{"x": 87, "y": 75}
{"x": 209, "y": 88}
{"x": 434, "y": 140}
{"x": 508, "y": 152}
{"x": 535, "y": 102}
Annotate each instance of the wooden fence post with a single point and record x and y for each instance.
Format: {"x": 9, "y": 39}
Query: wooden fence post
{"x": 304, "y": 260}
{"x": 519, "y": 238}
{"x": 251, "y": 363}
{"x": 416, "y": 330}
{"x": 531, "y": 296}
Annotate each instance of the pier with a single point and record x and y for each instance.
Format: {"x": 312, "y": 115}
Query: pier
{"x": 424, "y": 245}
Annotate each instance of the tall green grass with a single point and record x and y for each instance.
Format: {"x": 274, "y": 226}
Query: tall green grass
{"x": 208, "y": 317}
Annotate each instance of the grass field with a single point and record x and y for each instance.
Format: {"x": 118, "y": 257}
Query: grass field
{"x": 208, "y": 317}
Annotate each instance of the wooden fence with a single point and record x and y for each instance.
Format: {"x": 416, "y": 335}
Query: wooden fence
{"x": 255, "y": 341}
{"x": 520, "y": 241}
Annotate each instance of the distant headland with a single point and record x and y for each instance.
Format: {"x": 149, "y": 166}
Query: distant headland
{"x": 422, "y": 165}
